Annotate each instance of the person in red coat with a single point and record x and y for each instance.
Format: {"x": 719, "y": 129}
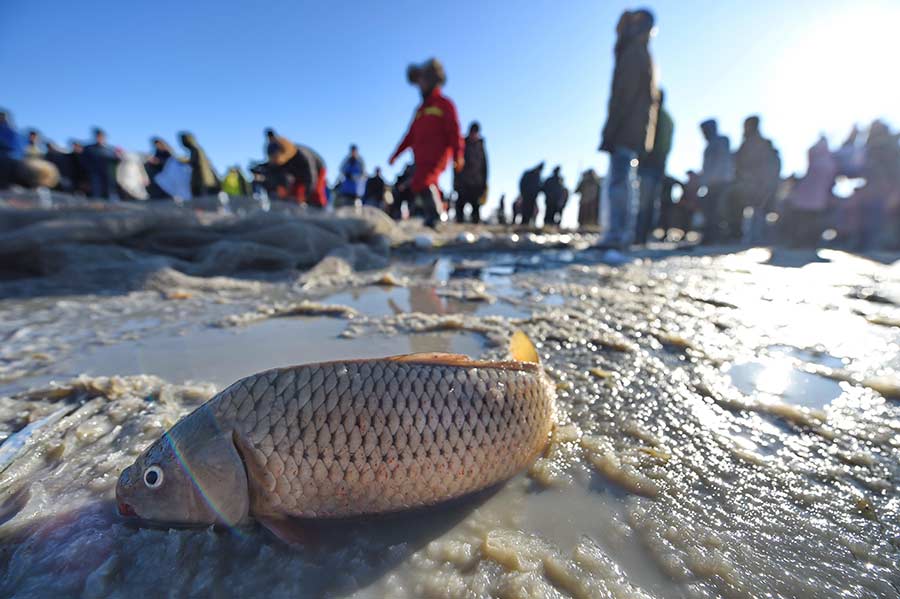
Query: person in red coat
{"x": 433, "y": 136}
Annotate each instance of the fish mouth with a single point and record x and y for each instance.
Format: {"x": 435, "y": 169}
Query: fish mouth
{"x": 126, "y": 510}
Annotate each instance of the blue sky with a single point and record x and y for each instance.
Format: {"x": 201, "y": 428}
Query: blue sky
{"x": 536, "y": 74}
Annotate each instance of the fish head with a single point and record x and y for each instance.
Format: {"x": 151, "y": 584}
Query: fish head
{"x": 191, "y": 476}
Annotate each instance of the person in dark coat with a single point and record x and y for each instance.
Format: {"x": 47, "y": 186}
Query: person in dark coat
{"x": 529, "y": 188}
{"x": 154, "y": 165}
{"x": 403, "y": 193}
{"x": 651, "y": 171}
{"x": 631, "y": 119}
{"x": 471, "y": 183}
{"x": 555, "y": 196}
{"x": 757, "y": 173}
{"x": 204, "y": 180}
{"x": 100, "y": 160}
{"x": 589, "y": 203}
{"x": 717, "y": 176}
{"x": 374, "y": 192}
{"x": 300, "y": 168}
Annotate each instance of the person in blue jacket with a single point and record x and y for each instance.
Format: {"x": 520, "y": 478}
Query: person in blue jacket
{"x": 353, "y": 179}
{"x": 12, "y": 151}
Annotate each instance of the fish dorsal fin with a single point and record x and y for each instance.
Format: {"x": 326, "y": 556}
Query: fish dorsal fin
{"x": 434, "y": 358}
{"x": 522, "y": 349}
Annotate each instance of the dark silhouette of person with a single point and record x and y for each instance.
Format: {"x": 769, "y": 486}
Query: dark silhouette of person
{"x": 154, "y": 165}
{"x": 374, "y": 192}
{"x": 204, "y": 180}
{"x": 555, "y": 196}
{"x": 757, "y": 173}
{"x": 589, "y": 188}
{"x": 631, "y": 120}
{"x": 100, "y": 160}
{"x": 403, "y": 193}
{"x": 471, "y": 182}
{"x": 652, "y": 170}
{"x": 717, "y": 177}
{"x": 529, "y": 188}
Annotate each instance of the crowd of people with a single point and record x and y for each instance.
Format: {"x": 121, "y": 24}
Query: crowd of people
{"x": 736, "y": 196}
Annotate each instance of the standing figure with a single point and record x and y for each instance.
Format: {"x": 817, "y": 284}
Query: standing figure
{"x": 757, "y": 173}
{"x": 155, "y": 164}
{"x": 652, "y": 171}
{"x": 433, "y": 137}
{"x": 204, "y": 180}
{"x": 717, "y": 176}
{"x": 810, "y": 198}
{"x": 100, "y": 160}
{"x": 631, "y": 120}
{"x": 471, "y": 182}
{"x": 589, "y": 203}
{"x": 555, "y": 196}
{"x": 353, "y": 179}
{"x": 375, "y": 188}
{"x": 529, "y": 188}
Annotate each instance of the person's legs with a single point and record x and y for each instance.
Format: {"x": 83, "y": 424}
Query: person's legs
{"x": 461, "y": 200}
{"x": 710, "y": 206}
{"x": 621, "y": 197}
{"x": 476, "y": 206}
{"x": 648, "y": 193}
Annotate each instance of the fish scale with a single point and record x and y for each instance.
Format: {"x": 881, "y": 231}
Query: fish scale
{"x": 349, "y": 438}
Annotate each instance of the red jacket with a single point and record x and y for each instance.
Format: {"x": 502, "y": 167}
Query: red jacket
{"x": 434, "y": 137}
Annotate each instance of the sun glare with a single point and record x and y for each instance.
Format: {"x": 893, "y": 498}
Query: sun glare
{"x": 837, "y": 70}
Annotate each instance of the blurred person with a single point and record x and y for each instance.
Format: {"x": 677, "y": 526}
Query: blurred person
{"x": 81, "y": 178}
{"x": 880, "y": 196}
{"x": 501, "y": 210}
{"x": 353, "y": 179}
{"x": 589, "y": 189}
{"x": 403, "y": 194}
{"x": 851, "y": 156}
{"x": 63, "y": 162}
{"x": 690, "y": 203}
{"x": 100, "y": 160}
{"x": 154, "y": 165}
{"x": 810, "y": 198}
{"x": 669, "y": 209}
{"x": 433, "y": 136}
{"x": 529, "y": 188}
{"x": 204, "y": 180}
{"x": 757, "y": 173}
{"x": 299, "y": 171}
{"x": 471, "y": 182}
{"x": 651, "y": 171}
{"x": 375, "y": 190}
{"x": 517, "y": 210}
{"x": 555, "y": 197}
{"x": 235, "y": 184}
{"x": 631, "y": 120}
{"x": 717, "y": 176}
{"x": 12, "y": 154}
{"x": 33, "y": 147}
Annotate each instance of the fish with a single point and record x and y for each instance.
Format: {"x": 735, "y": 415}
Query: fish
{"x": 345, "y": 439}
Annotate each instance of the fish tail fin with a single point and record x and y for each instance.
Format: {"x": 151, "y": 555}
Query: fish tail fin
{"x": 522, "y": 349}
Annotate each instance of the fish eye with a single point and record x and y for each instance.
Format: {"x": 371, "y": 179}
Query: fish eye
{"x": 153, "y": 477}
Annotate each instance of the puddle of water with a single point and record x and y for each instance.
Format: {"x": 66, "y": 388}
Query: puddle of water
{"x": 222, "y": 356}
{"x": 380, "y": 301}
{"x": 781, "y": 379}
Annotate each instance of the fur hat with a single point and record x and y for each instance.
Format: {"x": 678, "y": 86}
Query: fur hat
{"x": 432, "y": 69}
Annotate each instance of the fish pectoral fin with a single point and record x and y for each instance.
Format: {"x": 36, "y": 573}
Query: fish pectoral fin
{"x": 522, "y": 349}
{"x": 289, "y": 530}
{"x": 433, "y": 358}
